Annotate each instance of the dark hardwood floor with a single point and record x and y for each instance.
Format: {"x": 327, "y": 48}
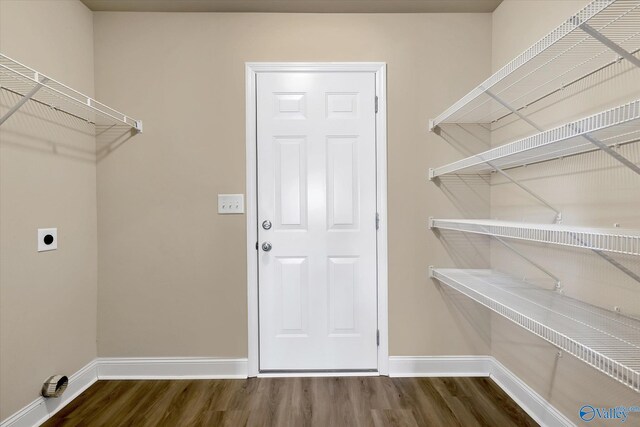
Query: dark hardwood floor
{"x": 339, "y": 401}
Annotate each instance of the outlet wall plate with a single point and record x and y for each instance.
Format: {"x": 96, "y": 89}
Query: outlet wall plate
{"x": 230, "y": 204}
{"x": 47, "y": 239}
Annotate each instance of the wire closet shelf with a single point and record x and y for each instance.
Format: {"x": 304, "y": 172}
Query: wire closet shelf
{"x": 614, "y": 127}
{"x": 576, "y": 49}
{"x": 598, "y": 239}
{"x": 22, "y": 80}
{"x": 608, "y": 341}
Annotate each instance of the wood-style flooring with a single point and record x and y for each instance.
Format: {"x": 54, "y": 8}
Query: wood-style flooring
{"x": 322, "y": 402}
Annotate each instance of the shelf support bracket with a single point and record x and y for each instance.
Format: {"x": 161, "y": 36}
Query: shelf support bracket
{"x": 22, "y": 101}
{"x": 619, "y": 266}
{"x": 610, "y": 260}
{"x": 506, "y": 175}
{"x": 613, "y": 153}
{"x": 617, "y": 49}
{"x": 609, "y": 43}
{"x": 558, "y": 218}
{"x": 610, "y": 151}
{"x": 555, "y": 278}
{"x": 513, "y": 110}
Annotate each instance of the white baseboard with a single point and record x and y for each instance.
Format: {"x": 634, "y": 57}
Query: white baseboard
{"x": 481, "y": 366}
{"x": 533, "y": 404}
{"x": 318, "y": 374}
{"x": 440, "y": 366}
{"x": 41, "y": 409}
{"x": 154, "y": 368}
{"x": 119, "y": 368}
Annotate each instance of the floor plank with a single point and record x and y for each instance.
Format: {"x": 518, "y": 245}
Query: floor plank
{"x": 314, "y": 402}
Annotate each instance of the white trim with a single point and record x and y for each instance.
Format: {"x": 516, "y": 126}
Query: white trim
{"x": 528, "y": 399}
{"x": 41, "y": 409}
{"x": 252, "y": 222}
{"x": 318, "y": 374}
{"x": 251, "y": 70}
{"x": 33, "y": 414}
{"x": 168, "y": 368}
{"x": 440, "y": 366}
{"x": 311, "y": 67}
{"x": 531, "y": 402}
{"x": 122, "y": 368}
{"x": 381, "y": 197}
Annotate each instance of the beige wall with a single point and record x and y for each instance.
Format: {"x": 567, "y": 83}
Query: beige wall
{"x": 172, "y": 273}
{"x": 590, "y": 190}
{"x": 47, "y": 179}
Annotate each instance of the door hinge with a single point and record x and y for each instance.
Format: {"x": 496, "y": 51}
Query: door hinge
{"x": 256, "y": 246}
{"x": 377, "y": 221}
{"x": 378, "y": 337}
{"x": 376, "y": 103}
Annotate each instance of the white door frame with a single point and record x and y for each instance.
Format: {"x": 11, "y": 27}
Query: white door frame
{"x": 252, "y": 69}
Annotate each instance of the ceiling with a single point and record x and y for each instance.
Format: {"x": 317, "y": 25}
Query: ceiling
{"x": 290, "y": 6}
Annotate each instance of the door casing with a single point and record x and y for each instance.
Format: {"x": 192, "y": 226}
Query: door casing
{"x": 251, "y": 71}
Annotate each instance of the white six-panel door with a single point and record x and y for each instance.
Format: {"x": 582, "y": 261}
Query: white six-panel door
{"x": 316, "y": 147}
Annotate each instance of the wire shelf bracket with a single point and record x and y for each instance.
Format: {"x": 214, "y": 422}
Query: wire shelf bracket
{"x": 617, "y": 265}
{"x": 578, "y": 22}
{"x": 434, "y": 225}
{"x": 604, "y": 339}
{"x": 513, "y": 110}
{"x": 22, "y": 80}
{"x": 558, "y": 217}
{"x": 613, "y": 153}
{"x": 562, "y": 58}
{"x": 23, "y": 100}
{"x": 609, "y": 43}
{"x": 598, "y": 240}
{"x": 604, "y": 130}
{"x": 629, "y": 57}
{"x": 556, "y": 279}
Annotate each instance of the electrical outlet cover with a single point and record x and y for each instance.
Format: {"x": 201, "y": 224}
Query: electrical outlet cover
{"x": 47, "y": 239}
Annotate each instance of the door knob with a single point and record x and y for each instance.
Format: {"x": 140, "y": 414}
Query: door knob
{"x": 266, "y": 246}
{"x": 266, "y": 225}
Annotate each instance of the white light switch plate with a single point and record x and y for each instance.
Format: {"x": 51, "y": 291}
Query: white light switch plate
{"x": 47, "y": 239}
{"x": 230, "y": 203}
